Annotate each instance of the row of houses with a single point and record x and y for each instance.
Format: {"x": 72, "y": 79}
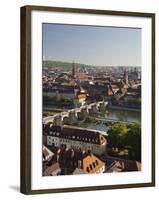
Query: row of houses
{"x": 71, "y": 161}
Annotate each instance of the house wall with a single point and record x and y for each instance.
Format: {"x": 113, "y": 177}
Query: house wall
{"x": 101, "y": 170}
{"x": 95, "y": 148}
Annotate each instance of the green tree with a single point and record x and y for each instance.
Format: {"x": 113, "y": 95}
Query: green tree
{"x": 116, "y": 135}
{"x": 67, "y": 100}
{"x": 57, "y": 100}
{"x": 133, "y": 141}
{"x": 124, "y": 136}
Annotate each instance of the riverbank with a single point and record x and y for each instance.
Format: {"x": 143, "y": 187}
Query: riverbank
{"x": 124, "y": 108}
{"x": 52, "y": 109}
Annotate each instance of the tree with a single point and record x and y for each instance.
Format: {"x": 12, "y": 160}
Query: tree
{"x": 57, "y": 100}
{"x": 133, "y": 140}
{"x": 124, "y": 136}
{"x": 67, "y": 100}
{"x": 116, "y": 135}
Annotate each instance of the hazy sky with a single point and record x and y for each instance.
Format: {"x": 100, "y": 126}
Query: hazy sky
{"x": 92, "y": 44}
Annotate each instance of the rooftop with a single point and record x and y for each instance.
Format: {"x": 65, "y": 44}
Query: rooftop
{"x": 49, "y": 170}
{"x": 75, "y": 133}
{"x": 91, "y": 164}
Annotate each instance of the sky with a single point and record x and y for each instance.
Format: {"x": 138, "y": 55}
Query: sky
{"x": 92, "y": 45}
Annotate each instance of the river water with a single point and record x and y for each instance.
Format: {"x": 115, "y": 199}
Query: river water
{"x": 111, "y": 114}
{"x": 125, "y": 116}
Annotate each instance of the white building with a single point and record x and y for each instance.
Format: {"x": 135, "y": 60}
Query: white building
{"x": 76, "y": 138}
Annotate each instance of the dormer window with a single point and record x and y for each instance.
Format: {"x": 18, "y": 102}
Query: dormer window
{"x": 88, "y": 169}
{"x": 96, "y": 162}
{"x": 91, "y": 167}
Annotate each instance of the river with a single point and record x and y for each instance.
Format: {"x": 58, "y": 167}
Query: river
{"x": 110, "y": 114}
{"x": 125, "y": 116}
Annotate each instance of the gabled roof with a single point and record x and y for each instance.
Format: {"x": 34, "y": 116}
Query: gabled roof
{"x": 91, "y": 164}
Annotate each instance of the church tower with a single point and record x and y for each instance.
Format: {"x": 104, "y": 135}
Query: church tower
{"x": 73, "y": 71}
{"x": 126, "y": 77}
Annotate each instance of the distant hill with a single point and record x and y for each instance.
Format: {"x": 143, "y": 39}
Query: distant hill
{"x": 66, "y": 65}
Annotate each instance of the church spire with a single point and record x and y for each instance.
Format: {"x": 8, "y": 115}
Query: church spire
{"x": 126, "y": 77}
{"x": 73, "y": 70}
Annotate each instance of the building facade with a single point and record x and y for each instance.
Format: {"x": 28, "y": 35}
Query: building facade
{"x": 77, "y": 138}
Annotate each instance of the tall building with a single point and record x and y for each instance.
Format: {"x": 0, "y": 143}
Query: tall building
{"x": 73, "y": 71}
{"x": 126, "y": 80}
{"x": 134, "y": 74}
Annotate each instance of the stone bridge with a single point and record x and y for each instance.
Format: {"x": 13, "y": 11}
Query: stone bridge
{"x": 75, "y": 114}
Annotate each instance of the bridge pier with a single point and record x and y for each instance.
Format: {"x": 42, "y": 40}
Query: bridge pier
{"x": 84, "y": 112}
{"x": 65, "y": 120}
{"x": 57, "y": 120}
{"x": 94, "y": 108}
{"x": 72, "y": 116}
{"x": 102, "y": 107}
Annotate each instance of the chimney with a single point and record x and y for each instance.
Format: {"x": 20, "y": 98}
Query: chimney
{"x": 89, "y": 153}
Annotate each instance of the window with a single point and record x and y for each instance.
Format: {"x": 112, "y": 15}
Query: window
{"x": 91, "y": 167}
{"x": 88, "y": 169}
{"x": 57, "y": 134}
{"x": 94, "y": 165}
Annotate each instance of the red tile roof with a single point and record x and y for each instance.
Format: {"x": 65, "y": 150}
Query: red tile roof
{"x": 91, "y": 164}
